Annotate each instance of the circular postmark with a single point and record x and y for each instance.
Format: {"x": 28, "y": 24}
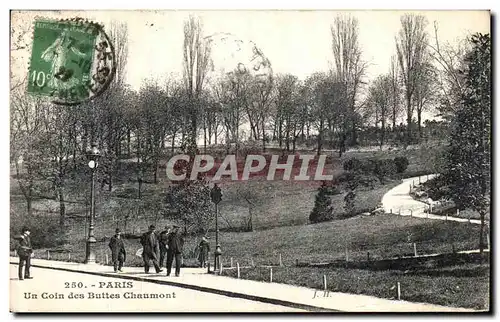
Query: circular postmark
{"x": 232, "y": 57}
{"x": 72, "y": 60}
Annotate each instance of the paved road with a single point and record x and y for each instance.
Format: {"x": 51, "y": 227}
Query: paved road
{"x": 253, "y": 294}
{"x": 51, "y": 283}
{"x": 398, "y": 201}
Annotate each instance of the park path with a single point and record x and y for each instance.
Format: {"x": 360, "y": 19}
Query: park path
{"x": 289, "y": 296}
{"x": 398, "y": 201}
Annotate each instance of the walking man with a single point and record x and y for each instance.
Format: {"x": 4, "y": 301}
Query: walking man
{"x": 151, "y": 249}
{"x": 24, "y": 251}
{"x": 118, "y": 254}
{"x": 204, "y": 249}
{"x": 163, "y": 244}
{"x": 175, "y": 244}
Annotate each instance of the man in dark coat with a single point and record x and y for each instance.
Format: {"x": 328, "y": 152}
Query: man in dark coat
{"x": 24, "y": 250}
{"x": 204, "y": 249}
{"x": 163, "y": 238}
{"x": 175, "y": 245}
{"x": 151, "y": 249}
{"x": 117, "y": 247}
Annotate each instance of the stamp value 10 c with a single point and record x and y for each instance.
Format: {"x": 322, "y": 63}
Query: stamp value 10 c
{"x": 72, "y": 60}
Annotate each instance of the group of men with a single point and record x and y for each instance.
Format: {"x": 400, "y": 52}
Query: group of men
{"x": 155, "y": 247}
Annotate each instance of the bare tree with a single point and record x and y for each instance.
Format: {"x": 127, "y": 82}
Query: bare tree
{"x": 349, "y": 67}
{"x": 411, "y": 43}
{"x": 424, "y": 90}
{"x": 27, "y": 114}
{"x": 379, "y": 100}
{"x": 196, "y": 57}
{"x": 395, "y": 95}
{"x": 449, "y": 61}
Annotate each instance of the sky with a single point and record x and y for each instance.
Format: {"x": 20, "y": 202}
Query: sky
{"x": 296, "y": 42}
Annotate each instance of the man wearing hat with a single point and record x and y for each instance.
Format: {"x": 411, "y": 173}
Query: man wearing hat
{"x": 175, "y": 244}
{"x": 163, "y": 239}
{"x": 24, "y": 251}
{"x": 151, "y": 249}
{"x": 118, "y": 254}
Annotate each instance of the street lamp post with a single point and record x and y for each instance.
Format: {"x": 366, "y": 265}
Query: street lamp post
{"x": 216, "y": 196}
{"x": 93, "y": 156}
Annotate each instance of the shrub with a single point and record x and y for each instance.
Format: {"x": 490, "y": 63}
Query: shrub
{"x": 45, "y": 231}
{"x": 401, "y": 164}
{"x": 322, "y": 210}
{"x": 369, "y": 166}
{"x": 352, "y": 164}
{"x": 385, "y": 168}
{"x": 349, "y": 203}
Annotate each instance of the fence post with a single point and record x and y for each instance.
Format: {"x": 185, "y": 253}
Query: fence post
{"x": 252, "y": 263}
{"x": 296, "y": 262}
{"x": 346, "y": 254}
{"x": 48, "y": 254}
{"x": 391, "y": 211}
{"x": 324, "y": 283}
{"x": 281, "y": 263}
{"x": 221, "y": 269}
{"x": 69, "y": 256}
{"x": 399, "y": 211}
{"x": 368, "y": 256}
{"x": 238, "y": 269}
{"x": 15, "y": 253}
{"x": 270, "y": 274}
{"x": 208, "y": 267}
{"x": 469, "y": 219}
{"x": 458, "y": 212}
{"x": 399, "y": 291}
{"x": 446, "y": 216}
{"x": 415, "y": 249}
{"x": 231, "y": 261}
{"x": 107, "y": 259}
{"x": 411, "y": 212}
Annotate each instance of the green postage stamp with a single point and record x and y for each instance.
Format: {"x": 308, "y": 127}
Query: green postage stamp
{"x": 71, "y": 61}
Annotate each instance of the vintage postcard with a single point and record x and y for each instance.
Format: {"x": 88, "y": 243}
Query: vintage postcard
{"x": 250, "y": 161}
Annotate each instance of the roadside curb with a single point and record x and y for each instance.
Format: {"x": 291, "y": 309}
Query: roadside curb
{"x": 196, "y": 288}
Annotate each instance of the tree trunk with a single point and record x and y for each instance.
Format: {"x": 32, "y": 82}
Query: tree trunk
{"x": 280, "y": 137}
{"x": 419, "y": 122}
{"x": 481, "y": 233}
{"x": 354, "y": 136}
{"x": 29, "y": 205}
{"x": 408, "y": 120}
{"x": 173, "y": 142}
{"x": 320, "y": 136}
{"x": 62, "y": 206}
{"x": 110, "y": 183}
{"x": 204, "y": 137}
{"x": 128, "y": 142}
{"x": 263, "y": 136}
{"x": 382, "y": 134}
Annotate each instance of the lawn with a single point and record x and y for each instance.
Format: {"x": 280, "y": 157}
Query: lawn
{"x": 384, "y": 236}
{"x": 460, "y": 286}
